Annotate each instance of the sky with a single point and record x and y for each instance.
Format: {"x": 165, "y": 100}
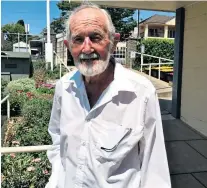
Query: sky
{"x": 34, "y": 13}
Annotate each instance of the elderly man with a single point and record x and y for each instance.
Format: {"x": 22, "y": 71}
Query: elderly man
{"x": 105, "y": 122}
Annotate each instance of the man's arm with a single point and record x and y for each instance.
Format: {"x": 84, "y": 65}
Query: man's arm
{"x": 54, "y": 131}
{"x": 154, "y": 169}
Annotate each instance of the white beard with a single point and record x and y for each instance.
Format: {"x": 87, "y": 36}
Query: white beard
{"x": 89, "y": 69}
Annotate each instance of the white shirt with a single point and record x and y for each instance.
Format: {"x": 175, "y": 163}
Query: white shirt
{"x": 118, "y": 143}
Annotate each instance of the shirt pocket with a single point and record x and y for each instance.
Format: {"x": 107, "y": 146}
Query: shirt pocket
{"x": 111, "y": 142}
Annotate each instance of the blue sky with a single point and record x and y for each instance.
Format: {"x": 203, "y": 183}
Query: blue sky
{"x": 34, "y": 13}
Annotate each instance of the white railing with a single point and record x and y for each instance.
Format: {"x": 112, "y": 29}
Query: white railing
{"x": 24, "y": 149}
{"x": 8, "y": 105}
{"x": 57, "y": 57}
{"x": 169, "y": 62}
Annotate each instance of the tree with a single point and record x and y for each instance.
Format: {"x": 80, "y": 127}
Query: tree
{"x": 8, "y": 29}
{"x": 21, "y": 22}
{"x": 122, "y": 18}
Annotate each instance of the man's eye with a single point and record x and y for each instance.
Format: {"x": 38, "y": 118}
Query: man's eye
{"x": 78, "y": 40}
{"x": 95, "y": 38}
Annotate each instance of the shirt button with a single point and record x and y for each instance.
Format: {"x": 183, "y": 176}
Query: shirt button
{"x": 83, "y": 144}
{"x": 80, "y": 167}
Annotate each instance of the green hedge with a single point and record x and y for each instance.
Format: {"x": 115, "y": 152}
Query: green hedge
{"x": 156, "y": 47}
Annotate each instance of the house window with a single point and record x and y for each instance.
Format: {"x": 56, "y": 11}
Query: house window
{"x": 11, "y": 66}
{"x": 171, "y": 34}
{"x": 153, "y": 33}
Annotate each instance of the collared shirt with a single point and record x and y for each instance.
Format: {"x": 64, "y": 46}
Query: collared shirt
{"x": 118, "y": 143}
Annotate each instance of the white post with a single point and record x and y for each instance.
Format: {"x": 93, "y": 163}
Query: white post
{"x": 159, "y": 68}
{"x": 8, "y": 109}
{"x": 18, "y": 43}
{"x": 150, "y": 67}
{"x": 26, "y": 42}
{"x": 48, "y": 45}
{"x": 48, "y": 21}
{"x": 142, "y": 58}
{"x": 60, "y": 70}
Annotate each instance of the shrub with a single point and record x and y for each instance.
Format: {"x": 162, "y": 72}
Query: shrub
{"x": 36, "y": 115}
{"x": 39, "y": 77}
{"x": 26, "y": 170}
{"x": 156, "y": 47}
{"x": 19, "y": 90}
{"x": 23, "y": 84}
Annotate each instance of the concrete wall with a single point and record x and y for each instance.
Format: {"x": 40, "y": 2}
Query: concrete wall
{"x": 194, "y": 80}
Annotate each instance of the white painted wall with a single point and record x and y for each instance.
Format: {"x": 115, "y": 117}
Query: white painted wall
{"x": 194, "y": 80}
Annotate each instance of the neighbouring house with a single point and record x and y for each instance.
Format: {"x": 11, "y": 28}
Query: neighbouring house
{"x": 20, "y": 47}
{"x": 157, "y": 26}
{"x": 15, "y": 65}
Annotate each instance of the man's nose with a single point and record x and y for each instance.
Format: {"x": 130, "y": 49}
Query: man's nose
{"x": 87, "y": 46}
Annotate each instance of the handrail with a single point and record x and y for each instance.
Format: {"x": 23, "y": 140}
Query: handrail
{"x": 154, "y": 56}
{"x": 61, "y": 62}
{"x": 155, "y": 64}
{"x": 4, "y": 99}
{"x": 8, "y": 105}
{"x": 22, "y": 149}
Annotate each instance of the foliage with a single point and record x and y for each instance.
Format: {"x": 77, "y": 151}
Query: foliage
{"x": 18, "y": 90}
{"x": 25, "y": 84}
{"x": 39, "y": 77}
{"x": 13, "y": 28}
{"x": 21, "y": 22}
{"x": 26, "y": 170}
{"x": 157, "y": 47}
{"x": 40, "y": 64}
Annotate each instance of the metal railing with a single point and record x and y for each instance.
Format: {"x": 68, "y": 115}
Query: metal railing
{"x": 24, "y": 149}
{"x": 57, "y": 57}
{"x": 8, "y": 105}
{"x": 169, "y": 62}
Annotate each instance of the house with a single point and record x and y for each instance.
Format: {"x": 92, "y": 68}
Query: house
{"x": 156, "y": 26}
{"x": 20, "y": 47}
{"x": 15, "y": 65}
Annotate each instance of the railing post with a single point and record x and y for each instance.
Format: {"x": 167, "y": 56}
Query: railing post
{"x": 142, "y": 57}
{"x": 60, "y": 70}
{"x": 150, "y": 67}
{"x": 159, "y": 68}
{"x": 8, "y": 108}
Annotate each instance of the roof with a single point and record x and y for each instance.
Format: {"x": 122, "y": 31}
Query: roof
{"x": 9, "y": 54}
{"x": 21, "y": 44}
{"x": 161, "y": 19}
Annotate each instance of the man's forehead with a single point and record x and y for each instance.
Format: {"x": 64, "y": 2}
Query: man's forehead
{"x": 88, "y": 14}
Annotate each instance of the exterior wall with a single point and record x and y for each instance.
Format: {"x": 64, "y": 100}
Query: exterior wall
{"x": 171, "y": 22}
{"x": 194, "y": 86}
{"x": 18, "y": 67}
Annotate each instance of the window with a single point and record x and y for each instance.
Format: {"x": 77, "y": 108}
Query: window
{"x": 153, "y": 33}
{"x": 171, "y": 34}
{"x": 11, "y": 66}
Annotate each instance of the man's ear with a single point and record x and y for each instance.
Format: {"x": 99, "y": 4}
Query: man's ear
{"x": 66, "y": 44}
{"x": 116, "y": 40}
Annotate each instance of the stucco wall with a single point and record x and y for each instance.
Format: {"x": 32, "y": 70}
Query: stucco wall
{"x": 194, "y": 81}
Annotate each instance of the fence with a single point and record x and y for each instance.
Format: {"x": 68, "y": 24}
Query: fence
{"x": 161, "y": 59}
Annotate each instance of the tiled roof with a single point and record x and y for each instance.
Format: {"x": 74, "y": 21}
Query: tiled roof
{"x": 157, "y": 19}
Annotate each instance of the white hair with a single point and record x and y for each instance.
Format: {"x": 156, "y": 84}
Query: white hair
{"x": 110, "y": 25}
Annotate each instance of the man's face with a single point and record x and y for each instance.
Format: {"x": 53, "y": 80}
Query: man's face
{"x": 89, "y": 42}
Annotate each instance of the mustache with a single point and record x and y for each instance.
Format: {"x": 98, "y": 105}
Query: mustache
{"x": 88, "y": 56}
